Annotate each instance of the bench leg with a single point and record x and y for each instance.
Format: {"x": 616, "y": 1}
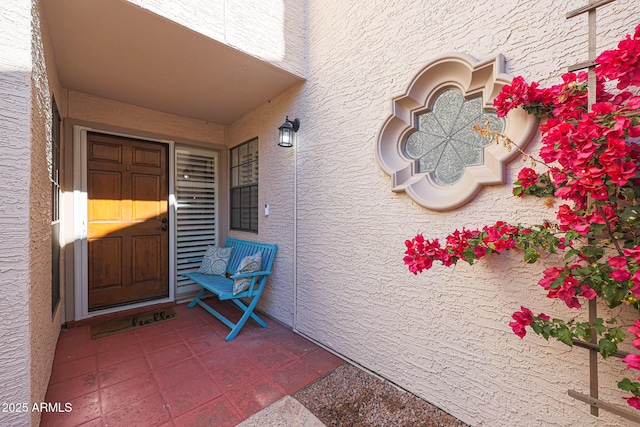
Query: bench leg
{"x": 219, "y": 316}
{"x": 248, "y": 312}
{"x": 253, "y": 315}
{"x": 197, "y": 298}
{"x": 235, "y": 327}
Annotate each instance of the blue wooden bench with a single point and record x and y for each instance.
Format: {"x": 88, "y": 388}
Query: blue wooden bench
{"x": 222, "y": 287}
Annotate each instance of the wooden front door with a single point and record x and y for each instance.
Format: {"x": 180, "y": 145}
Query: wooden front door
{"x": 128, "y": 221}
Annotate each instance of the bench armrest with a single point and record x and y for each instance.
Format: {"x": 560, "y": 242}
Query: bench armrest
{"x": 255, "y": 273}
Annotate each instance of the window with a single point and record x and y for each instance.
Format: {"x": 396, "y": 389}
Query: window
{"x": 55, "y": 206}
{"x": 428, "y": 145}
{"x": 244, "y": 186}
{"x": 445, "y": 142}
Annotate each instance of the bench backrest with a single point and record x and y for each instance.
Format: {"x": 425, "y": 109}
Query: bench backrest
{"x": 242, "y": 248}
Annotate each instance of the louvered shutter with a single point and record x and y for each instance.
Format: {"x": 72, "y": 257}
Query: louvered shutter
{"x": 197, "y": 210}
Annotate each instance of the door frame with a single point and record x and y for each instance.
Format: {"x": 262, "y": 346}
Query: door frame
{"x": 80, "y": 220}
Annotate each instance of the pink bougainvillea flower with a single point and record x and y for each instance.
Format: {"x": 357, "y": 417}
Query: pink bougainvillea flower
{"x": 632, "y": 361}
{"x": 518, "y": 329}
{"x": 587, "y": 292}
{"x": 550, "y": 276}
{"x": 635, "y": 330}
{"x": 633, "y": 253}
{"x": 618, "y": 261}
{"x": 480, "y": 251}
{"x": 528, "y": 177}
{"x": 521, "y": 318}
{"x": 633, "y": 401}
{"x": 623, "y": 63}
{"x": 635, "y": 289}
{"x": 633, "y": 103}
{"x": 511, "y": 96}
{"x": 621, "y": 275}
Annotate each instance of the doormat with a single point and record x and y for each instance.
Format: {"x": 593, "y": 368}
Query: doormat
{"x": 133, "y": 321}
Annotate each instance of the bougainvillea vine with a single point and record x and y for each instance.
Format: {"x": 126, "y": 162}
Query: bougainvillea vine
{"x": 591, "y": 161}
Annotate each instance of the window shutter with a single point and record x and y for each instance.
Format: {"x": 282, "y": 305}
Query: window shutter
{"x": 196, "y": 208}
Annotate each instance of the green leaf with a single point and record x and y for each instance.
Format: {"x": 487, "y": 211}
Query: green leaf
{"x": 593, "y": 252}
{"x": 531, "y": 255}
{"x": 630, "y": 214}
{"x": 627, "y": 385}
{"x": 469, "y": 255}
{"x": 564, "y": 335}
{"x": 618, "y": 235}
{"x": 613, "y": 294}
{"x": 607, "y": 348}
{"x": 571, "y": 253}
{"x": 629, "y": 194}
{"x": 571, "y": 235}
{"x": 582, "y": 332}
{"x": 598, "y": 326}
{"x": 597, "y": 228}
{"x": 616, "y": 335}
{"x": 582, "y": 271}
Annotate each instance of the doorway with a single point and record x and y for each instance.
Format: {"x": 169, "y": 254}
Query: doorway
{"x": 142, "y": 209}
{"x": 127, "y": 221}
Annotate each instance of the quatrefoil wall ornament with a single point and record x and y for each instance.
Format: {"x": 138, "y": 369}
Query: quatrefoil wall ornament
{"x": 428, "y": 145}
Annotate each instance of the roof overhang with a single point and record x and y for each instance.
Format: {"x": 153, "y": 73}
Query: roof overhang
{"x": 119, "y": 51}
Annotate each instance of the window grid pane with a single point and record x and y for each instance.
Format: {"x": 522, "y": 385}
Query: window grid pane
{"x": 55, "y": 205}
{"x": 244, "y": 186}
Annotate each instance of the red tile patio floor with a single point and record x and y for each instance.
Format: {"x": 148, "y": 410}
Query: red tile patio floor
{"x": 180, "y": 373}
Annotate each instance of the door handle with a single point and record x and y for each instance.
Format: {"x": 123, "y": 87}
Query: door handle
{"x": 164, "y": 227}
{"x": 164, "y": 220}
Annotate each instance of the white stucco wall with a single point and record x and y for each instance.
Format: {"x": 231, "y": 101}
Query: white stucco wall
{"x": 277, "y": 189}
{"x": 44, "y": 324}
{"x": 443, "y": 335}
{"x": 29, "y": 331}
{"x": 107, "y": 113}
{"x": 271, "y": 30}
{"x": 15, "y": 164}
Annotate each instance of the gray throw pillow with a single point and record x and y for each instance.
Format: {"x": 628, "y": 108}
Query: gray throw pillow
{"x": 215, "y": 261}
{"x": 249, "y": 264}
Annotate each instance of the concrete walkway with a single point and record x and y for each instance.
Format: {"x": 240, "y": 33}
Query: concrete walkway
{"x": 286, "y": 412}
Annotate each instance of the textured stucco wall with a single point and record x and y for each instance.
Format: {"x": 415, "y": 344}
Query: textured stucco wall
{"x": 92, "y": 109}
{"x": 276, "y": 188}
{"x": 29, "y": 330}
{"x": 15, "y": 164}
{"x": 270, "y": 30}
{"x": 43, "y": 323}
{"x": 444, "y": 334}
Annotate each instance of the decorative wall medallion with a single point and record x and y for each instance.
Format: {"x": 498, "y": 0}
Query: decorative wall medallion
{"x": 428, "y": 145}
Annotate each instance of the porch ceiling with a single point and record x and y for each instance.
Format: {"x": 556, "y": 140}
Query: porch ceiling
{"x": 119, "y": 51}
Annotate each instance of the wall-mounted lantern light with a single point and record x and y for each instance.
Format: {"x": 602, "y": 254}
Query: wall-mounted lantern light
{"x": 287, "y": 132}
